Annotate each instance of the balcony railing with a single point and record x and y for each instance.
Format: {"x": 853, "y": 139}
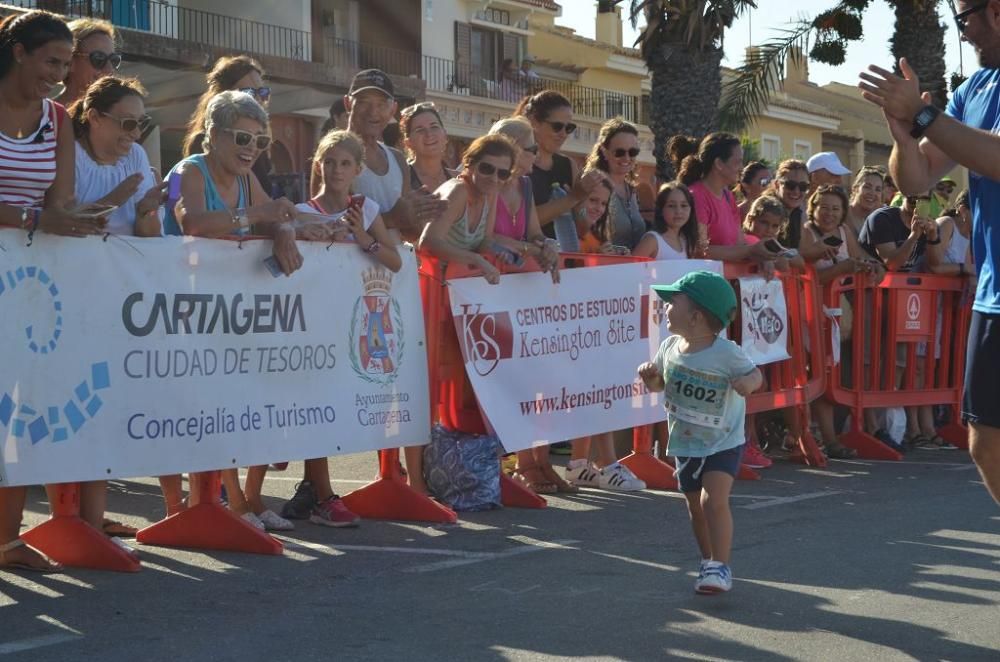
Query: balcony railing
{"x": 161, "y": 18}
{"x": 342, "y": 53}
{"x": 448, "y": 76}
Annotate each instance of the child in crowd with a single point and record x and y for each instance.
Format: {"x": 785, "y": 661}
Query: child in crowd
{"x": 675, "y": 226}
{"x": 595, "y": 207}
{"x": 766, "y": 221}
{"x": 706, "y": 380}
{"x": 338, "y": 160}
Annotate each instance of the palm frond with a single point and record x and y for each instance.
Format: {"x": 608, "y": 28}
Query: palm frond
{"x": 747, "y": 95}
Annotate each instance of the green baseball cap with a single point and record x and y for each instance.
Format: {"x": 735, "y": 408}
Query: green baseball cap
{"x": 707, "y": 289}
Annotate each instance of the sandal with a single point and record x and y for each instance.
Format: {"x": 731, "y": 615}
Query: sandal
{"x": 44, "y": 566}
{"x": 915, "y": 441}
{"x": 115, "y": 529}
{"x": 534, "y": 479}
{"x": 840, "y": 452}
{"x": 557, "y": 480}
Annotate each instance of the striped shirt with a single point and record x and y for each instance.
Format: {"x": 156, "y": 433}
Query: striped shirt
{"x": 28, "y": 165}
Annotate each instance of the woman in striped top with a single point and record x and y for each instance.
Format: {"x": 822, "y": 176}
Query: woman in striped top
{"x": 36, "y": 183}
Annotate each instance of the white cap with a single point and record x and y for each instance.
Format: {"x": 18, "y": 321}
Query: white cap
{"x": 826, "y": 161}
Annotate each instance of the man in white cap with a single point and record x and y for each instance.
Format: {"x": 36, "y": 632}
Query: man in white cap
{"x": 527, "y": 65}
{"x": 825, "y": 168}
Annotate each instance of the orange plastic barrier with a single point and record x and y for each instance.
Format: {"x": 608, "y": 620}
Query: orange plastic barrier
{"x": 69, "y": 540}
{"x": 209, "y": 525}
{"x": 908, "y": 322}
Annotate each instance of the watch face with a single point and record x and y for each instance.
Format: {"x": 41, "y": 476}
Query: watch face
{"x": 924, "y": 115}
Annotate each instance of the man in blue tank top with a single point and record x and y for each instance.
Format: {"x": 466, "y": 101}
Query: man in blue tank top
{"x": 928, "y": 143}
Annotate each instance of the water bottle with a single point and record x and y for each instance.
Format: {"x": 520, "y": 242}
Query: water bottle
{"x": 565, "y": 225}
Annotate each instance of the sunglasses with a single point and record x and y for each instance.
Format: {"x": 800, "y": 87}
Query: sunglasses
{"x": 99, "y": 59}
{"x": 791, "y": 186}
{"x": 532, "y": 149}
{"x": 130, "y": 124}
{"x": 962, "y": 17}
{"x": 558, "y": 127}
{"x": 244, "y": 138}
{"x": 418, "y": 108}
{"x": 259, "y": 93}
{"x": 621, "y": 152}
{"x": 488, "y": 169}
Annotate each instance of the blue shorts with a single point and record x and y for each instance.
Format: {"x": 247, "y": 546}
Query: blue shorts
{"x": 690, "y": 470}
{"x": 982, "y": 379}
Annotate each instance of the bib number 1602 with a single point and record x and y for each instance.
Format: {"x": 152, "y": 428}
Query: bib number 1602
{"x": 689, "y": 390}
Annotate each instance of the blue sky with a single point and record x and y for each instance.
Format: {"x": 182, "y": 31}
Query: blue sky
{"x": 772, "y": 15}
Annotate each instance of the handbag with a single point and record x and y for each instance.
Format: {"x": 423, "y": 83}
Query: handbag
{"x": 463, "y": 470}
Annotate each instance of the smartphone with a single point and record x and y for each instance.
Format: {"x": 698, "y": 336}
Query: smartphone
{"x": 173, "y": 189}
{"x": 94, "y": 210}
{"x": 272, "y": 265}
{"x": 833, "y": 241}
{"x": 507, "y": 255}
{"x": 357, "y": 202}
{"x": 620, "y": 250}
{"x": 773, "y": 246}
{"x": 923, "y": 209}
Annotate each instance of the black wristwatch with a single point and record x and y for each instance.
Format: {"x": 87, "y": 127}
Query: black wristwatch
{"x": 924, "y": 119}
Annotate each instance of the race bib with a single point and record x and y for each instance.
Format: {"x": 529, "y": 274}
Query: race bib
{"x": 696, "y": 397}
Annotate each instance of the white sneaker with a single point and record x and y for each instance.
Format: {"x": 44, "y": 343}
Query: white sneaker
{"x": 715, "y": 577}
{"x": 582, "y": 474}
{"x": 272, "y": 521}
{"x": 253, "y": 521}
{"x": 618, "y": 478}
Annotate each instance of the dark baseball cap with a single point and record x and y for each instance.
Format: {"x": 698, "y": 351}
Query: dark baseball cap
{"x": 372, "y": 79}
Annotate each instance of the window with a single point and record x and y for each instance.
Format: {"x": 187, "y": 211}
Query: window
{"x": 802, "y": 150}
{"x": 770, "y": 148}
{"x": 484, "y": 54}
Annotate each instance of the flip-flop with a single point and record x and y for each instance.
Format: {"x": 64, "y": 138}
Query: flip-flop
{"x": 115, "y": 529}
{"x": 5, "y": 564}
{"x": 539, "y": 486}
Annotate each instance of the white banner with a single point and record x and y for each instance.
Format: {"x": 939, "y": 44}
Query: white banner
{"x": 555, "y": 362}
{"x": 765, "y": 319}
{"x": 143, "y": 357}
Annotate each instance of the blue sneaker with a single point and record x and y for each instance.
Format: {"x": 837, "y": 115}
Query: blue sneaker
{"x": 715, "y": 577}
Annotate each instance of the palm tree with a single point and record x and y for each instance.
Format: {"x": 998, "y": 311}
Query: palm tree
{"x": 682, "y": 45}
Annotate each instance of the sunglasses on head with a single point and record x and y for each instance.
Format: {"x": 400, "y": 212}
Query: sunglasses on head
{"x": 531, "y": 149}
{"x": 130, "y": 124}
{"x": 244, "y": 138}
{"x": 487, "y": 169}
{"x": 622, "y": 152}
{"x": 802, "y": 186}
{"x": 99, "y": 59}
{"x": 259, "y": 93}
{"x": 962, "y": 17}
{"x": 559, "y": 126}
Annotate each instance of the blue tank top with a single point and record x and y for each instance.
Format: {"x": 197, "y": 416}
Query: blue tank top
{"x": 213, "y": 201}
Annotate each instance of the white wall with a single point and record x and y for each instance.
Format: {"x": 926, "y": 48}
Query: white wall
{"x": 438, "y": 31}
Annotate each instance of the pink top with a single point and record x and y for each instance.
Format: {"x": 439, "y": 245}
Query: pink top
{"x": 720, "y": 215}
{"x": 514, "y": 225}
{"x": 750, "y": 239}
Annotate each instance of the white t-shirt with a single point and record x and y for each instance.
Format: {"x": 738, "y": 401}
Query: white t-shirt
{"x": 369, "y": 211}
{"x": 94, "y": 181}
{"x": 704, "y": 412}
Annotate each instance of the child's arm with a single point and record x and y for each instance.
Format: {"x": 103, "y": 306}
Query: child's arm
{"x": 748, "y": 383}
{"x": 650, "y": 374}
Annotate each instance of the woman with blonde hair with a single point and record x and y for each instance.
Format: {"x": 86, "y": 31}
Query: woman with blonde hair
{"x": 94, "y": 57}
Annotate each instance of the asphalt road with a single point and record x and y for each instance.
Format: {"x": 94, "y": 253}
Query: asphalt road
{"x": 864, "y": 561}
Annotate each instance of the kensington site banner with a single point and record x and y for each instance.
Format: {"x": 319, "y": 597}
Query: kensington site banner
{"x": 141, "y": 357}
{"x": 555, "y": 362}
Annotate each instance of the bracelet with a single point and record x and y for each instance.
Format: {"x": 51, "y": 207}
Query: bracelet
{"x": 25, "y": 212}
{"x": 373, "y": 247}
{"x": 935, "y": 242}
{"x": 36, "y": 218}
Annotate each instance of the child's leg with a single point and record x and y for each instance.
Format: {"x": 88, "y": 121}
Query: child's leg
{"x": 173, "y": 494}
{"x": 605, "y": 449}
{"x": 253, "y": 488}
{"x": 699, "y": 524}
{"x": 93, "y": 501}
{"x": 580, "y": 449}
{"x": 415, "y": 468}
{"x": 234, "y": 493}
{"x": 716, "y": 486}
{"x": 317, "y": 472}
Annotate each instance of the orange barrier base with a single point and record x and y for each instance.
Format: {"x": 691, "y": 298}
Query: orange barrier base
{"x": 389, "y": 497}
{"x": 515, "y": 495}
{"x": 808, "y": 452}
{"x": 747, "y": 473}
{"x": 955, "y": 434}
{"x": 74, "y": 543}
{"x": 69, "y": 540}
{"x": 657, "y": 474}
{"x": 868, "y": 447}
{"x": 209, "y": 526}
{"x": 386, "y": 498}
